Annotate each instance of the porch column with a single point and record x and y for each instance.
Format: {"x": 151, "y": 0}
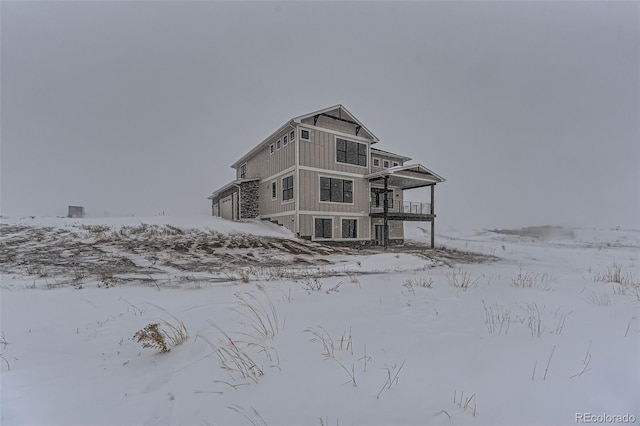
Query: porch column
{"x": 433, "y": 217}
{"x": 386, "y": 211}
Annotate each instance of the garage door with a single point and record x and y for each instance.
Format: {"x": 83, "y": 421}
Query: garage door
{"x": 226, "y": 208}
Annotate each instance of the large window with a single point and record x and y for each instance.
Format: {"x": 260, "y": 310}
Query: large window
{"x": 243, "y": 171}
{"x": 323, "y": 228}
{"x": 351, "y": 152}
{"x": 349, "y": 228}
{"x": 287, "y": 188}
{"x": 336, "y": 190}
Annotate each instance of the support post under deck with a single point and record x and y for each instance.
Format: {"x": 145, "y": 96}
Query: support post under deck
{"x": 386, "y": 211}
{"x": 433, "y": 218}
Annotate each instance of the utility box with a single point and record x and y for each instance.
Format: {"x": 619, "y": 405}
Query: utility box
{"x": 76, "y": 211}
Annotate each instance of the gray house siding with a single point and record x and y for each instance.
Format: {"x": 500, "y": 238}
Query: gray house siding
{"x": 320, "y": 152}
{"x": 310, "y": 187}
{"x": 265, "y": 164}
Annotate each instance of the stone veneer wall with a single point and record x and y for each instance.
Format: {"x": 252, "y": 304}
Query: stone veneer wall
{"x": 249, "y": 199}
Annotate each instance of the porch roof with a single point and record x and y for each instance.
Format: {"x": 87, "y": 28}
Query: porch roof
{"x": 407, "y": 177}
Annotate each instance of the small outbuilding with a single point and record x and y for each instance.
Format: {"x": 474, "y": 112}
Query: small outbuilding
{"x": 76, "y": 211}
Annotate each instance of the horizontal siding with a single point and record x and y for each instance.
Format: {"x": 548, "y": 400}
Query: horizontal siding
{"x": 320, "y": 152}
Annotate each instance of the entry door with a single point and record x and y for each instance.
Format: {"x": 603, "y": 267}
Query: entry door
{"x": 379, "y": 233}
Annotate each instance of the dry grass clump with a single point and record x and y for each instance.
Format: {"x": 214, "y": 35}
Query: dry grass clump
{"x": 151, "y": 337}
{"x": 624, "y": 282}
{"x": 170, "y": 335}
{"x": 461, "y": 279}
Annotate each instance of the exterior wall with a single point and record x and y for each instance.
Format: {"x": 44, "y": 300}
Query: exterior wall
{"x": 269, "y": 205}
{"x": 320, "y": 152}
{"x": 310, "y": 193}
{"x": 382, "y": 158}
{"x": 288, "y": 221}
{"x": 264, "y": 164}
{"x": 337, "y": 125}
{"x": 307, "y": 226}
{"x": 225, "y": 210}
{"x": 396, "y": 228}
{"x": 249, "y": 200}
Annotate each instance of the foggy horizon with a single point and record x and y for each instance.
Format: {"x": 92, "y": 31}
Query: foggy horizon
{"x": 531, "y": 111}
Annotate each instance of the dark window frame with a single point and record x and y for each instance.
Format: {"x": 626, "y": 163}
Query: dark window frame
{"x": 336, "y": 190}
{"x": 351, "y": 231}
{"x": 243, "y": 171}
{"x": 274, "y": 190}
{"x": 351, "y": 152}
{"x": 302, "y": 132}
{"x": 325, "y": 226}
{"x": 287, "y": 188}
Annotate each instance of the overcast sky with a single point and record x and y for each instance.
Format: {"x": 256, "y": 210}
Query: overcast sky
{"x": 530, "y": 110}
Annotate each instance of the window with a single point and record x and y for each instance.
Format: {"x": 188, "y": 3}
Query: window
{"x": 385, "y": 164}
{"x": 376, "y": 162}
{"x": 287, "y": 188}
{"x": 271, "y": 149}
{"x": 243, "y": 171}
{"x": 377, "y": 197}
{"x": 278, "y": 142}
{"x": 285, "y": 141}
{"x": 323, "y": 228}
{"x": 292, "y": 135}
{"x": 395, "y": 164}
{"x": 349, "y": 228}
{"x": 336, "y": 190}
{"x": 351, "y": 152}
{"x": 274, "y": 190}
{"x": 304, "y": 134}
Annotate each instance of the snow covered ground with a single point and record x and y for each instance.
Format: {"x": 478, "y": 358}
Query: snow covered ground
{"x": 282, "y": 332}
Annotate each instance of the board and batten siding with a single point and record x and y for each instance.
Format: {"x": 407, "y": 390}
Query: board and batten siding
{"x": 307, "y": 225}
{"x": 264, "y": 164}
{"x": 320, "y": 152}
{"x": 310, "y": 187}
{"x": 268, "y": 205}
{"x": 337, "y": 125}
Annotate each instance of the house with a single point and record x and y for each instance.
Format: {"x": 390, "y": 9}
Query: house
{"x": 320, "y": 176}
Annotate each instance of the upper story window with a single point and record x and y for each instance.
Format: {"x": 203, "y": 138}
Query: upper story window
{"x": 376, "y": 162}
{"x": 385, "y": 164}
{"x": 292, "y": 136}
{"x": 285, "y": 140}
{"x": 287, "y": 188}
{"x": 304, "y": 134}
{"x": 243, "y": 171}
{"x": 395, "y": 164}
{"x": 278, "y": 144}
{"x": 271, "y": 149}
{"x": 351, "y": 152}
{"x": 274, "y": 190}
{"x": 336, "y": 190}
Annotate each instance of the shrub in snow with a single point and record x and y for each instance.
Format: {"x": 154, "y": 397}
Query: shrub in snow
{"x": 152, "y": 337}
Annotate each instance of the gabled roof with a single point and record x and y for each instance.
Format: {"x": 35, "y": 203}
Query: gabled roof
{"x": 298, "y": 120}
{"x": 342, "y": 111}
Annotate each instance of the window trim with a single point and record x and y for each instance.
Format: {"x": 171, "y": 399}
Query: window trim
{"x": 357, "y": 220}
{"x": 374, "y": 161}
{"x": 278, "y": 144}
{"x": 285, "y": 141}
{"x": 387, "y": 162}
{"x": 292, "y": 199}
{"x": 395, "y": 164}
{"x": 335, "y": 149}
{"x": 242, "y": 173}
{"x": 313, "y": 233}
{"x": 272, "y": 149}
{"x": 274, "y": 190}
{"x": 339, "y": 203}
{"x": 292, "y": 136}
{"x": 308, "y": 134}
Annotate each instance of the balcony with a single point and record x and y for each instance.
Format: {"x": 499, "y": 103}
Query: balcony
{"x": 406, "y": 210}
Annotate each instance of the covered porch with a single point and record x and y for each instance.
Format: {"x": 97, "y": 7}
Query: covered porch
{"x": 404, "y": 177}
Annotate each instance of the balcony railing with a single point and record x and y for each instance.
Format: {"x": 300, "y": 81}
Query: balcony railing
{"x": 409, "y": 207}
